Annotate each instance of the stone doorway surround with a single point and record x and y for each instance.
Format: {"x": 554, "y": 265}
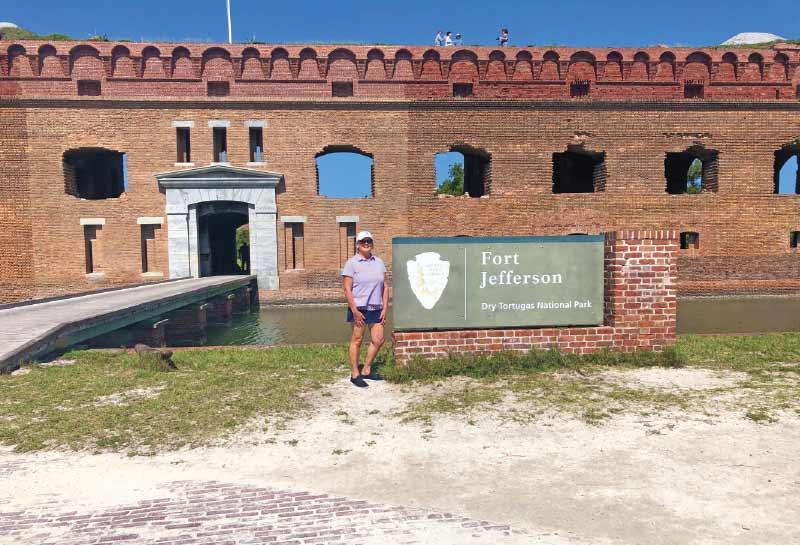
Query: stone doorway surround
{"x": 186, "y": 189}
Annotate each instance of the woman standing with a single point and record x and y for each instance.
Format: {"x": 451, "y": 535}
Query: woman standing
{"x": 367, "y": 293}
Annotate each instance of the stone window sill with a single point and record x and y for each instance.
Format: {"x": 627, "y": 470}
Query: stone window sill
{"x": 91, "y": 276}
{"x": 184, "y": 164}
{"x": 153, "y": 275}
{"x": 256, "y": 163}
{"x": 294, "y": 270}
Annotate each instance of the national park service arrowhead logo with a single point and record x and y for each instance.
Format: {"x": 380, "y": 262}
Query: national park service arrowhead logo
{"x": 428, "y": 275}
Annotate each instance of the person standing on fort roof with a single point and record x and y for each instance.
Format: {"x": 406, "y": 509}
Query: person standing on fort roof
{"x": 367, "y": 292}
{"x": 439, "y": 40}
{"x": 503, "y": 38}
{"x": 458, "y": 40}
{"x": 448, "y": 39}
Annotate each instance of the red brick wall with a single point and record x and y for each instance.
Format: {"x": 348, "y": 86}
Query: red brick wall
{"x": 635, "y": 115}
{"x": 16, "y": 251}
{"x": 640, "y": 309}
{"x": 169, "y": 69}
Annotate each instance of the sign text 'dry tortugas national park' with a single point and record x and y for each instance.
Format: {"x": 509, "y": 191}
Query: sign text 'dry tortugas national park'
{"x": 492, "y": 282}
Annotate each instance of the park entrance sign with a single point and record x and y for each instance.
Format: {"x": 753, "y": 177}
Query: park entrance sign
{"x": 496, "y": 282}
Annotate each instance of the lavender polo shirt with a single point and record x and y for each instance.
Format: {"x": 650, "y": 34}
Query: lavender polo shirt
{"x": 367, "y": 275}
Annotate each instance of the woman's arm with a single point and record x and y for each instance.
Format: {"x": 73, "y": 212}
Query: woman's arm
{"x": 347, "y": 282}
{"x": 385, "y": 308}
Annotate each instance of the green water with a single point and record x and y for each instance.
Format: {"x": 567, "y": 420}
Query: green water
{"x": 326, "y": 324}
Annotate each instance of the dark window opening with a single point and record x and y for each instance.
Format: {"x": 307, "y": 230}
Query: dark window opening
{"x": 462, "y": 90}
{"x": 794, "y": 238}
{"x": 184, "y": 144}
{"x": 220, "y": 144}
{"x": 694, "y": 89}
{"x": 95, "y": 173}
{"x": 89, "y": 243}
{"x": 463, "y": 170}
{"x": 294, "y": 245}
{"x": 256, "y": 144}
{"x": 347, "y": 241}
{"x": 218, "y": 88}
{"x": 797, "y": 92}
{"x": 578, "y": 170}
{"x": 89, "y": 88}
{"x": 579, "y": 88}
{"x": 692, "y": 171}
{"x": 345, "y": 172}
{"x": 342, "y": 89}
{"x": 690, "y": 241}
{"x": 787, "y": 170}
{"x": 148, "y": 236}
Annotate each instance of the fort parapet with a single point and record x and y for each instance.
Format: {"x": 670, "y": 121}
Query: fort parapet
{"x": 35, "y": 68}
{"x": 124, "y": 162}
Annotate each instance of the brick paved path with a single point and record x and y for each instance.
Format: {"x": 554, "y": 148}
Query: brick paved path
{"x": 210, "y": 512}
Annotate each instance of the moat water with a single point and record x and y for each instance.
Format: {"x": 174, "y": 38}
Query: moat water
{"x": 326, "y": 324}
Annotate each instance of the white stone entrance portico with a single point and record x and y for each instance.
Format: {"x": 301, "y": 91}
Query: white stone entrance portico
{"x": 186, "y": 189}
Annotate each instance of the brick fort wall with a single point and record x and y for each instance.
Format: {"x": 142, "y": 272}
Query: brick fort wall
{"x": 521, "y": 111}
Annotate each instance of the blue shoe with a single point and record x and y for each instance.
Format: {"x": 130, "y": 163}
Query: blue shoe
{"x": 359, "y": 381}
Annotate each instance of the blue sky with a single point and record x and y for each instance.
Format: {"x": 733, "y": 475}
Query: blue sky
{"x": 566, "y": 22}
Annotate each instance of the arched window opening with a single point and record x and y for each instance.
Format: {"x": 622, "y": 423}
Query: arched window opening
{"x": 95, "y": 173}
{"x": 787, "y": 170}
{"x": 463, "y": 170}
{"x": 692, "y": 171}
{"x": 579, "y": 170}
{"x": 345, "y": 172}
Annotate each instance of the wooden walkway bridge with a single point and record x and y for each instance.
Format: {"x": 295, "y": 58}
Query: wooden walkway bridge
{"x": 31, "y": 330}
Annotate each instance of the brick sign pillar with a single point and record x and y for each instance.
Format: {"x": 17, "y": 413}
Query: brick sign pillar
{"x": 640, "y": 309}
{"x": 640, "y": 288}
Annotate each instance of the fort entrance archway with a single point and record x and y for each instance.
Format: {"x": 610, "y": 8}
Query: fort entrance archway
{"x": 217, "y": 223}
{"x": 206, "y": 205}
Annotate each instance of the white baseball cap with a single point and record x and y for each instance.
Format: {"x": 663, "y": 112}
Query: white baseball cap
{"x": 362, "y": 235}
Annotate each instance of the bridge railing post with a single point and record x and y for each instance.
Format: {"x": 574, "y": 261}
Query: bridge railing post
{"x": 150, "y": 332}
{"x": 243, "y": 299}
{"x": 188, "y": 324}
{"x": 222, "y": 308}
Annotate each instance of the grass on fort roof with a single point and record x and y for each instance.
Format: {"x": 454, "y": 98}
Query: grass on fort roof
{"x": 114, "y": 402}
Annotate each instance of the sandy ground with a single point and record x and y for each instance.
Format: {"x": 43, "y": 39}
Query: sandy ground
{"x": 674, "y": 478}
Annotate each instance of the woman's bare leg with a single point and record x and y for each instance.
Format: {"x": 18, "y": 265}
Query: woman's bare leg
{"x": 355, "y": 348}
{"x": 376, "y": 341}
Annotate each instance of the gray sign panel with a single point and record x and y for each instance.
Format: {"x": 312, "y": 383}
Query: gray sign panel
{"x": 493, "y": 282}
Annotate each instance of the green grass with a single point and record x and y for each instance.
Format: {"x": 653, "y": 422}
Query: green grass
{"x": 117, "y": 402}
{"x": 211, "y": 394}
{"x": 512, "y": 363}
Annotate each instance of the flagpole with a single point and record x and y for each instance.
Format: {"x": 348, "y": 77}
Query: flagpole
{"x": 230, "y": 33}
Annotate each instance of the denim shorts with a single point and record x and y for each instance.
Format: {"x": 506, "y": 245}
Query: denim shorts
{"x": 370, "y": 316}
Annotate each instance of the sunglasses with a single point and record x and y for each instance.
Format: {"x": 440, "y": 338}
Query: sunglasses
{"x": 365, "y": 241}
